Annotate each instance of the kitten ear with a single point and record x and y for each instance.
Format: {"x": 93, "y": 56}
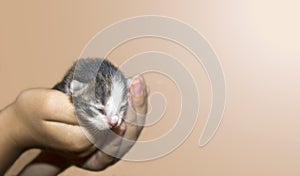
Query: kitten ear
{"x": 77, "y": 87}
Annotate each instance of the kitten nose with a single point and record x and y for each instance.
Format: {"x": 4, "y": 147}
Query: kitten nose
{"x": 113, "y": 120}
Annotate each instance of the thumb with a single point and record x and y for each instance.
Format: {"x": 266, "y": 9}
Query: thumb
{"x": 138, "y": 94}
{"x": 137, "y": 104}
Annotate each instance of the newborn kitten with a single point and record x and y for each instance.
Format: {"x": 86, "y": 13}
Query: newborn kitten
{"x": 99, "y": 93}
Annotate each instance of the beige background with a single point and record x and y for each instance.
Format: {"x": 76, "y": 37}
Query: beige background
{"x": 257, "y": 43}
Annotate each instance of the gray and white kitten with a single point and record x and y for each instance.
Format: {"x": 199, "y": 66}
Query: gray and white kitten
{"x": 99, "y": 93}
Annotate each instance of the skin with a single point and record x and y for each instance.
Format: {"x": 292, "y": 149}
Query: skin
{"x": 39, "y": 117}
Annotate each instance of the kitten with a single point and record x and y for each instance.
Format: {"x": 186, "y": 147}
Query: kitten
{"x": 99, "y": 93}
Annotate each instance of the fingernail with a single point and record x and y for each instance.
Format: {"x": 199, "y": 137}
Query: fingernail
{"x": 137, "y": 87}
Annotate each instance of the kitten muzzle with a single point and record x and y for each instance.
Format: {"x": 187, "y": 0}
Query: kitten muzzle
{"x": 114, "y": 120}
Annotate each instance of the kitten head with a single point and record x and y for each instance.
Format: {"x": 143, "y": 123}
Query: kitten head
{"x": 101, "y": 102}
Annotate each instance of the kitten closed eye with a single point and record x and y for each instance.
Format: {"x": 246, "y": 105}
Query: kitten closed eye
{"x": 102, "y": 111}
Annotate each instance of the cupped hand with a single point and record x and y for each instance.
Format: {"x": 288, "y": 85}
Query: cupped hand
{"x": 46, "y": 119}
{"x": 40, "y": 118}
{"x": 115, "y": 146}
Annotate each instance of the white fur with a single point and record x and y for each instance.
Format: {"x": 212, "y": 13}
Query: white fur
{"x": 115, "y": 101}
{"x": 116, "y": 98}
{"x": 97, "y": 105}
{"x": 100, "y": 121}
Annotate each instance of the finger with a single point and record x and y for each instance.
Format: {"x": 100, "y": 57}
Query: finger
{"x": 138, "y": 94}
{"x": 113, "y": 140}
{"x": 59, "y": 108}
{"x": 107, "y": 154}
{"x": 97, "y": 162}
{"x": 64, "y": 137}
{"x": 137, "y": 107}
{"x": 137, "y": 99}
{"x": 120, "y": 129}
{"x": 46, "y": 162}
{"x": 47, "y": 104}
{"x": 131, "y": 123}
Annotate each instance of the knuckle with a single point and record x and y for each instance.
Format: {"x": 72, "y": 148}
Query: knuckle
{"x": 73, "y": 143}
{"x": 76, "y": 146}
{"x": 140, "y": 104}
{"x": 49, "y": 103}
{"x": 109, "y": 160}
{"x": 20, "y": 100}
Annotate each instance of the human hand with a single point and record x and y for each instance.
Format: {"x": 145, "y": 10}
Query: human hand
{"x": 115, "y": 145}
{"x": 46, "y": 119}
{"x": 40, "y": 118}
